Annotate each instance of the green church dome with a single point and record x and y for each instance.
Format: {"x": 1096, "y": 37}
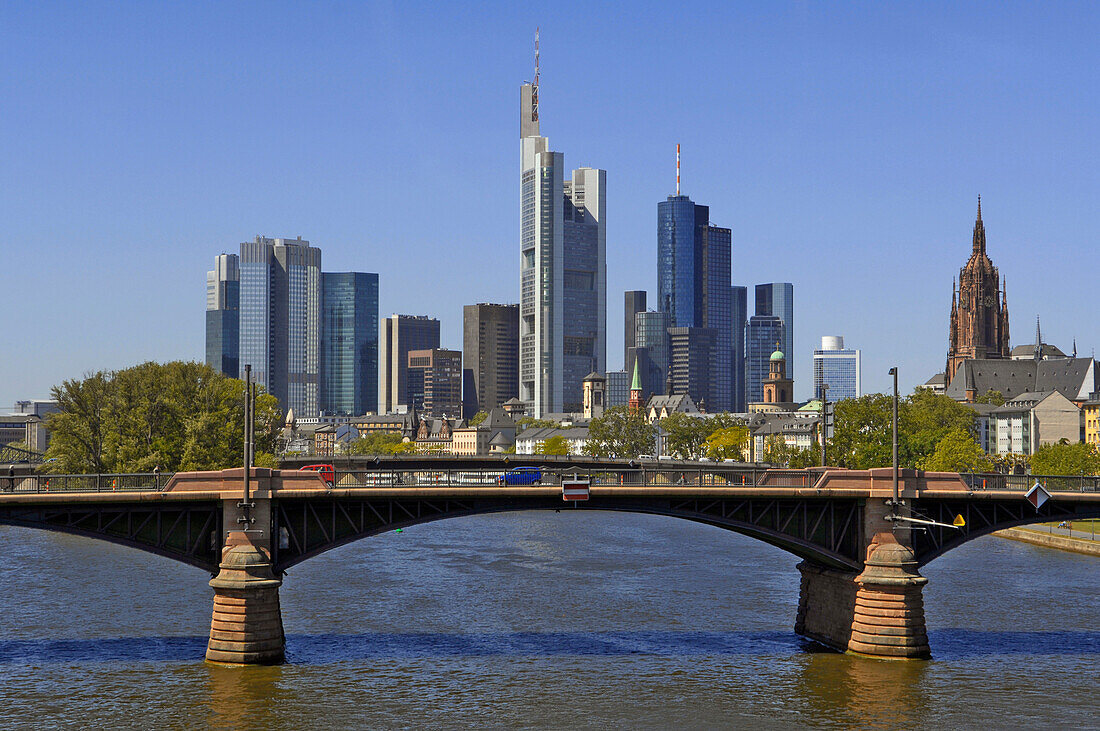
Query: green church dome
{"x": 778, "y": 355}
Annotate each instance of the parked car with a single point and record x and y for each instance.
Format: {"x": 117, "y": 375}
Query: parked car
{"x": 521, "y": 476}
{"x": 328, "y": 474}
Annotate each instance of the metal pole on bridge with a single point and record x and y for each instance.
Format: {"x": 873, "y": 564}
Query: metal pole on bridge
{"x": 894, "y": 423}
{"x": 247, "y": 430}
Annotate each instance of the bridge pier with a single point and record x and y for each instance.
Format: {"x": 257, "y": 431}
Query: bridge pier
{"x": 878, "y": 612}
{"x": 247, "y": 625}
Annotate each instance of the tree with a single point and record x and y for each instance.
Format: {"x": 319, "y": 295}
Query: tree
{"x": 928, "y": 418}
{"x": 991, "y": 397}
{"x": 375, "y": 443}
{"x": 777, "y": 451}
{"x": 728, "y": 443}
{"x": 861, "y": 432}
{"x": 479, "y": 417}
{"x": 957, "y": 452}
{"x": 685, "y": 435}
{"x": 555, "y": 445}
{"x": 620, "y": 433}
{"x": 1065, "y": 459}
{"x": 530, "y": 422}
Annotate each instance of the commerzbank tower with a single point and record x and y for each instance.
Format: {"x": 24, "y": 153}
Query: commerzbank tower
{"x": 563, "y": 269}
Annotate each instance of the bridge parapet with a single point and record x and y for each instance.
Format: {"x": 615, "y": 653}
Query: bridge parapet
{"x": 263, "y": 482}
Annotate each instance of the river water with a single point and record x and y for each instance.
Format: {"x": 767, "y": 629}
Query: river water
{"x": 564, "y": 620}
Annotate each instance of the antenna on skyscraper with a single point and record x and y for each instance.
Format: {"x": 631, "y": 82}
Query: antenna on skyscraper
{"x": 677, "y": 168}
{"x": 535, "y": 83}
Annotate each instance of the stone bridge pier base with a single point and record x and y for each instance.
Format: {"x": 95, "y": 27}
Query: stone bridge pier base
{"x": 879, "y": 612}
{"x": 247, "y": 625}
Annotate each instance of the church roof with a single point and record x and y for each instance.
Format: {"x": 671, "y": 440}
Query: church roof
{"x": 1028, "y": 351}
{"x": 1074, "y": 378}
{"x": 636, "y": 382}
{"x": 778, "y": 355}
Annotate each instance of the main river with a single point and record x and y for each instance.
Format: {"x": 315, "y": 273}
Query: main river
{"x": 566, "y": 620}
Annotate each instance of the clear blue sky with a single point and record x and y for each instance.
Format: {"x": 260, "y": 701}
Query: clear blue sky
{"x": 844, "y": 144}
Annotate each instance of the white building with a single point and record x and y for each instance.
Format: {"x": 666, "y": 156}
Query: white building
{"x": 563, "y": 271}
{"x": 838, "y": 368}
{"x": 1031, "y": 420}
{"x": 529, "y": 440}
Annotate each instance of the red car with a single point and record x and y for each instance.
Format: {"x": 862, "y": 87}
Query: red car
{"x": 327, "y": 473}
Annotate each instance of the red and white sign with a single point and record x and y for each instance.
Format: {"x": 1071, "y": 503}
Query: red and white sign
{"x": 574, "y": 490}
{"x": 1037, "y": 495}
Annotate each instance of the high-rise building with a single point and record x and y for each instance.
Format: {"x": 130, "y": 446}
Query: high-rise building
{"x": 434, "y": 382}
{"x": 349, "y": 342}
{"x": 280, "y": 320}
{"x": 563, "y": 270}
{"x": 223, "y": 301}
{"x": 691, "y": 351}
{"x": 979, "y": 308}
{"x": 490, "y": 356}
{"x": 693, "y": 287}
{"x": 398, "y": 335}
{"x": 618, "y": 388}
{"x": 633, "y": 303}
{"x": 777, "y": 298}
{"x": 738, "y": 320}
{"x": 838, "y": 368}
{"x": 651, "y": 350}
{"x": 763, "y": 336}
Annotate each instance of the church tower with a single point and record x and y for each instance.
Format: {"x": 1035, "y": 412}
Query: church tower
{"x": 979, "y": 308}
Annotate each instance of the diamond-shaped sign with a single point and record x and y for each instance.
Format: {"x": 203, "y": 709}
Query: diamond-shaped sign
{"x": 1037, "y": 495}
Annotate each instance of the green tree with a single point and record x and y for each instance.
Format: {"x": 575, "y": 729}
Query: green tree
{"x": 777, "y": 451}
{"x": 991, "y": 397}
{"x": 957, "y": 452}
{"x": 728, "y": 443}
{"x": 375, "y": 443}
{"x": 861, "y": 432}
{"x": 1065, "y": 459}
{"x": 530, "y": 422}
{"x": 555, "y": 445}
{"x": 479, "y": 417}
{"x": 928, "y": 418}
{"x": 685, "y": 435}
{"x": 620, "y": 433}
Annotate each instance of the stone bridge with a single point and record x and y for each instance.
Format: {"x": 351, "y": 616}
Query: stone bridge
{"x": 861, "y": 590}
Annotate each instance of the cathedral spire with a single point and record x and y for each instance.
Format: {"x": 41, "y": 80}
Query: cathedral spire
{"x": 979, "y": 231}
{"x": 1038, "y": 340}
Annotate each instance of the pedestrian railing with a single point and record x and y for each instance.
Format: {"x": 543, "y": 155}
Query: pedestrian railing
{"x": 1052, "y": 483}
{"x": 128, "y": 482}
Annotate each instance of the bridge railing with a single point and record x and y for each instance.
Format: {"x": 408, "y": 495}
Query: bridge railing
{"x": 656, "y": 476}
{"x": 129, "y": 482}
{"x": 1053, "y": 483}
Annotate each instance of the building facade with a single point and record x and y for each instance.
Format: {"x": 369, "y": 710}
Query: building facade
{"x": 838, "y": 369}
{"x": 280, "y": 320}
{"x": 761, "y": 336}
{"x": 618, "y": 388}
{"x": 979, "y": 309}
{"x": 633, "y": 303}
{"x": 435, "y": 382}
{"x": 223, "y": 302}
{"x": 739, "y": 315}
{"x": 563, "y": 271}
{"x": 349, "y": 342}
{"x": 398, "y": 335}
{"x": 651, "y": 350}
{"x": 777, "y": 298}
{"x": 1031, "y": 420}
{"x": 691, "y": 352}
{"x": 490, "y": 356}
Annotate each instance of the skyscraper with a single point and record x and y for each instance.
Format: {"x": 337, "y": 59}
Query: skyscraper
{"x": 563, "y": 270}
{"x": 651, "y": 351}
{"x": 837, "y": 368}
{"x": 633, "y": 303}
{"x": 280, "y": 319}
{"x": 691, "y": 350}
{"x": 399, "y": 334}
{"x": 762, "y": 336}
{"x": 777, "y": 298}
{"x": 490, "y": 356}
{"x": 693, "y": 288}
{"x": 223, "y": 300}
{"x": 979, "y": 309}
{"x": 349, "y": 342}
{"x": 435, "y": 382}
{"x": 738, "y": 320}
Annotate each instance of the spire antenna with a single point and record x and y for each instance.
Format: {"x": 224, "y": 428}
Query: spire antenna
{"x": 979, "y": 195}
{"x": 535, "y": 83}
{"x": 677, "y": 168}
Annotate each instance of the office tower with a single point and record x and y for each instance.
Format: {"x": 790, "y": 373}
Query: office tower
{"x": 691, "y": 350}
{"x": 349, "y": 342}
{"x": 837, "y": 368}
{"x": 435, "y": 382}
{"x": 738, "y": 321}
{"x": 763, "y": 336}
{"x": 777, "y": 298}
{"x": 618, "y": 388}
{"x": 633, "y": 303}
{"x": 400, "y": 334}
{"x": 223, "y": 300}
{"x": 693, "y": 286}
{"x": 490, "y": 356}
{"x": 563, "y": 271}
{"x": 280, "y": 324}
{"x": 651, "y": 351}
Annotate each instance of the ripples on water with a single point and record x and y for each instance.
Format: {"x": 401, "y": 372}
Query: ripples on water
{"x": 544, "y": 620}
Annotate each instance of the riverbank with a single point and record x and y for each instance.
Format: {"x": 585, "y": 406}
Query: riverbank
{"x": 1050, "y": 540}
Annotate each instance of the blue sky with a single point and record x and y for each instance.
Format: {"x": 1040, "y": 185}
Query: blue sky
{"x": 844, "y": 145}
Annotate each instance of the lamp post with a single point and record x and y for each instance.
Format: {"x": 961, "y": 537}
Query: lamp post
{"x": 894, "y": 424}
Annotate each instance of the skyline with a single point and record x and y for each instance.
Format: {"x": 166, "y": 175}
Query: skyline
{"x": 875, "y": 171}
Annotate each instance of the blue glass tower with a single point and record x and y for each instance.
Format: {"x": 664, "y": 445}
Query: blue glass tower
{"x": 777, "y": 298}
{"x": 223, "y": 299}
{"x": 693, "y": 286}
{"x": 349, "y": 342}
{"x": 738, "y": 321}
{"x": 761, "y": 336}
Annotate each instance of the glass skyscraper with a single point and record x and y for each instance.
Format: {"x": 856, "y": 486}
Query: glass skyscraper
{"x": 651, "y": 347}
{"x": 349, "y": 337}
{"x": 398, "y": 335}
{"x": 777, "y": 298}
{"x": 837, "y": 367}
{"x": 223, "y": 300}
{"x": 763, "y": 334}
{"x": 693, "y": 288}
{"x": 738, "y": 320}
{"x": 280, "y": 320}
